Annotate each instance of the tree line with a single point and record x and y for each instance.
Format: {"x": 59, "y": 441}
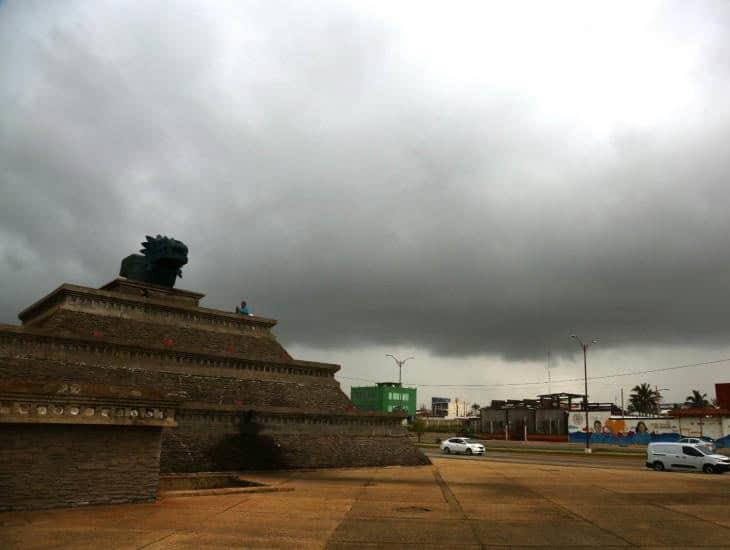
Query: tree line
{"x": 645, "y": 400}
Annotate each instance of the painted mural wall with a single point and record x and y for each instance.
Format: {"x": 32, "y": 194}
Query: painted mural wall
{"x": 602, "y": 422}
{"x": 638, "y": 430}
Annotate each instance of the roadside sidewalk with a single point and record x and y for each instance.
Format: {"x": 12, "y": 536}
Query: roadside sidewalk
{"x": 563, "y": 449}
{"x": 497, "y": 445}
{"x": 564, "y": 446}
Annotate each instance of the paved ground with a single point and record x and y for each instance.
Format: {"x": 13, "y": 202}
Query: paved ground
{"x": 455, "y": 503}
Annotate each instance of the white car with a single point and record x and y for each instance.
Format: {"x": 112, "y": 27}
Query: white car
{"x": 462, "y": 445}
{"x": 685, "y": 456}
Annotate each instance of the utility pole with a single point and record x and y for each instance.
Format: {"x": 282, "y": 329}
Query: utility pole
{"x": 584, "y": 347}
{"x": 622, "y": 403}
{"x": 550, "y": 390}
{"x": 657, "y": 389}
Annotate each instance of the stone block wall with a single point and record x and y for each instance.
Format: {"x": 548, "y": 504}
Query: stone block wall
{"x": 97, "y": 351}
{"x": 337, "y": 451}
{"x": 53, "y": 465}
{"x": 206, "y": 441}
{"x": 253, "y": 345}
{"x": 315, "y": 393}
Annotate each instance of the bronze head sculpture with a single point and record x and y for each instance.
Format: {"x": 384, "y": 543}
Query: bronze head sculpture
{"x": 160, "y": 262}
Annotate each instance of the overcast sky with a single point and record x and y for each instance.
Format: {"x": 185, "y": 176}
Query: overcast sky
{"x": 464, "y": 182}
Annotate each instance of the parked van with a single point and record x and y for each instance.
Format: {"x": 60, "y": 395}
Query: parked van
{"x": 685, "y": 456}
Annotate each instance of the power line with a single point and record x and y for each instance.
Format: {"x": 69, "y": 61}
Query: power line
{"x": 664, "y": 369}
{"x": 520, "y": 384}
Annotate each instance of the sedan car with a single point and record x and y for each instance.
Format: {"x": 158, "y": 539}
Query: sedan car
{"x": 702, "y": 440}
{"x": 462, "y": 445}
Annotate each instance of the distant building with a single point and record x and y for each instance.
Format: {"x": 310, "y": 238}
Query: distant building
{"x": 445, "y": 407}
{"x": 722, "y": 392}
{"x": 563, "y": 416}
{"x": 459, "y": 409}
{"x": 547, "y": 416}
{"x": 440, "y": 407}
{"x": 385, "y": 397}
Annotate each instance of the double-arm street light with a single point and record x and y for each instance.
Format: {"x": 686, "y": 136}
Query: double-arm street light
{"x": 400, "y": 365}
{"x": 584, "y": 347}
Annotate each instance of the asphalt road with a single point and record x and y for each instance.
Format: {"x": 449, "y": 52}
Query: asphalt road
{"x": 614, "y": 463}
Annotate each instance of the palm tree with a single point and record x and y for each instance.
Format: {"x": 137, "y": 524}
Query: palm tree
{"x": 475, "y": 409}
{"x": 644, "y": 400}
{"x": 697, "y": 400}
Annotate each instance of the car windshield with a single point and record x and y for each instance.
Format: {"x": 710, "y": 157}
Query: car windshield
{"x": 704, "y": 450}
{"x": 473, "y": 441}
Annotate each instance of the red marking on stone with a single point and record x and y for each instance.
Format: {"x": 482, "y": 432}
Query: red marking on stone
{"x": 96, "y": 333}
{"x": 231, "y": 349}
{"x": 168, "y": 342}
{"x": 238, "y": 403}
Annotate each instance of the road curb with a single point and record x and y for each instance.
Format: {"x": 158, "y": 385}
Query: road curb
{"x": 542, "y": 450}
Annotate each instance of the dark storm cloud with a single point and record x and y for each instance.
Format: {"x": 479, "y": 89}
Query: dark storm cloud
{"x": 345, "y": 186}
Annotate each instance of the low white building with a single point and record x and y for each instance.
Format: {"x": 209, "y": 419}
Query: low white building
{"x": 714, "y": 423}
{"x": 458, "y": 409}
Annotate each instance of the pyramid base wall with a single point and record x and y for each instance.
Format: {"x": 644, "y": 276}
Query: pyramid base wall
{"x": 211, "y": 437}
{"x": 208, "y": 442}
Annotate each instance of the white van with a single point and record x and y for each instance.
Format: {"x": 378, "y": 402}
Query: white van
{"x": 685, "y": 456}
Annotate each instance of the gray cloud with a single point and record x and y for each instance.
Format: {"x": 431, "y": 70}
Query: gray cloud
{"x": 365, "y": 194}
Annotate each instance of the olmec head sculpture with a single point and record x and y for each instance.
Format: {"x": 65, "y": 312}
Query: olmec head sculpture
{"x": 159, "y": 263}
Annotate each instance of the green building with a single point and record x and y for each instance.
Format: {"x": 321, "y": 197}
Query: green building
{"x": 385, "y": 397}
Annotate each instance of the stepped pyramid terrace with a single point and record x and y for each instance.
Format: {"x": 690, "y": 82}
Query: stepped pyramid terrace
{"x": 101, "y": 390}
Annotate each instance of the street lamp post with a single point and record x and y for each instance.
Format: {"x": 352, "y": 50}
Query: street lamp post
{"x": 584, "y": 347}
{"x": 400, "y": 364}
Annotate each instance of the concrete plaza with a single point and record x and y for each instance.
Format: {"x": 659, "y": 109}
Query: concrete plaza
{"x": 454, "y": 503}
